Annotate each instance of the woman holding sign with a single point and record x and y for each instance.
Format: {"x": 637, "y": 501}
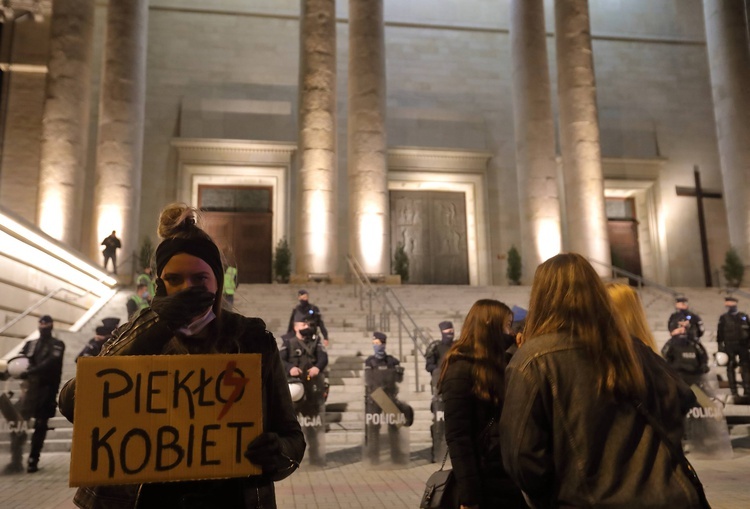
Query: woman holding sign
{"x": 186, "y": 317}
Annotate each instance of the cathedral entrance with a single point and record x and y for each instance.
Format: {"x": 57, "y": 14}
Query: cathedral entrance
{"x": 622, "y": 227}
{"x": 431, "y": 225}
{"x": 240, "y": 220}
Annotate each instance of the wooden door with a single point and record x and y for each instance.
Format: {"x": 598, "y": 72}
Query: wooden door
{"x": 240, "y": 221}
{"x": 622, "y": 226}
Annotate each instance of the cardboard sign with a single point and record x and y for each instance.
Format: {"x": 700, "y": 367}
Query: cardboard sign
{"x": 165, "y": 418}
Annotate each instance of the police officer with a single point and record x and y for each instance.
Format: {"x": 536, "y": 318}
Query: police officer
{"x": 383, "y": 371}
{"x": 305, "y": 358}
{"x": 433, "y": 364}
{"x": 733, "y": 336}
{"x": 437, "y": 350}
{"x": 685, "y": 322}
{"x": 305, "y": 311}
{"x": 101, "y": 335}
{"x": 45, "y": 369}
{"x": 686, "y": 356}
{"x": 230, "y": 285}
{"x": 139, "y": 300}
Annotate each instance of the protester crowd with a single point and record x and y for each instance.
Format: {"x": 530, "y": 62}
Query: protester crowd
{"x": 566, "y": 405}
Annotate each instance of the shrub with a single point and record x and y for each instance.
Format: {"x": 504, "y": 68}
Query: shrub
{"x": 145, "y": 254}
{"x": 733, "y": 268}
{"x": 401, "y": 263}
{"x": 282, "y": 261}
{"x": 514, "y": 266}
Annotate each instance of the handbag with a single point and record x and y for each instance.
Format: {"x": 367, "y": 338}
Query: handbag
{"x": 440, "y": 490}
{"x": 677, "y": 455}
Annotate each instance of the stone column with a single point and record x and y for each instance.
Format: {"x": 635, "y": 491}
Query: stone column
{"x": 316, "y": 213}
{"x": 579, "y": 134}
{"x": 120, "y": 137}
{"x": 366, "y": 138}
{"x": 65, "y": 120}
{"x": 729, "y": 62}
{"x": 536, "y": 168}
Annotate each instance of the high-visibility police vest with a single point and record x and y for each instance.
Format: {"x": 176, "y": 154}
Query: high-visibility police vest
{"x": 230, "y": 280}
{"x": 139, "y": 301}
{"x": 145, "y": 279}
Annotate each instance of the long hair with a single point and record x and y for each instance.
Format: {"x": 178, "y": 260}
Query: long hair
{"x": 481, "y": 343}
{"x": 569, "y": 298}
{"x": 627, "y": 304}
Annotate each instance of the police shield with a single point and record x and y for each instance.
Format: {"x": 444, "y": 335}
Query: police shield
{"x": 311, "y": 413}
{"x": 437, "y": 428}
{"x": 706, "y": 431}
{"x": 387, "y": 419}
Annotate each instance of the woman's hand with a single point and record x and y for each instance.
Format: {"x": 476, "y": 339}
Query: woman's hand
{"x": 181, "y": 308}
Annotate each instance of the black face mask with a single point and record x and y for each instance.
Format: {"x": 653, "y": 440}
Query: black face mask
{"x": 508, "y": 340}
{"x": 732, "y": 309}
{"x": 307, "y": 333}
{"x": 448, "y": 337}
{"x": 45, "y": 332}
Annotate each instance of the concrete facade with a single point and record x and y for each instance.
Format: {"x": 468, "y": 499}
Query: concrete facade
{"x": 230, "y": 71}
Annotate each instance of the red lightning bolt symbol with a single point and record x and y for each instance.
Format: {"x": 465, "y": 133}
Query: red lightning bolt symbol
{"x": 239, "y": 383}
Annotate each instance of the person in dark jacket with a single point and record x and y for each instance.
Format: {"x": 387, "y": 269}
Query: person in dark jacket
{"x": 733, "y": 336}
{"x": 101, "y": 334}
{"x": 471, "y": 385}
{"x": 574, "y": 433}
{"x": 45, "y": 369}
{"x": 111, "y": 244}
{"x": 95, "y": 344}
{"x": 186, "y": 317}
{"x": 305, "y": 311}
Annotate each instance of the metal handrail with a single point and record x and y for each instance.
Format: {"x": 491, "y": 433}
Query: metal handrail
{"x": 640, "y": 280}
{"x": 419, "y": 340}
{"x": 26, "y": 312}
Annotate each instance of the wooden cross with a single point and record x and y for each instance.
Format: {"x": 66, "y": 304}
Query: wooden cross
{"x": 699, "y": 193}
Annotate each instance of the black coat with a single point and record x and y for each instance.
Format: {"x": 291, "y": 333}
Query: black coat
{"x": 45, "y": 369}
{"x": 147, "y": 335}
{"x": 473, "y": 432}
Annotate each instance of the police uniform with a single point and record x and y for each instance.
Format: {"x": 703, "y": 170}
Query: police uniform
{"x": 310, "y": 313}
{"x": 687, "y": 357}
{"x": 733, "y": 336}
{"x": 694, "y": 331}
{"x": 45, "y": 370}
{"x": 306, "y": 354}
{"x": 384, "y": 372}
{"x": 434, "y": 364}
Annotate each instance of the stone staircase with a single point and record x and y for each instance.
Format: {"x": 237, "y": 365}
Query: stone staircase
{"x": 345, "y": 314}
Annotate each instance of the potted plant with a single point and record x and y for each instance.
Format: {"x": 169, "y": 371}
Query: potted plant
{"x": 514, "y": 266}
{"x": 282, "y": 262}
{"x": 401, "y": 263}
{"x": 733, "y": 268}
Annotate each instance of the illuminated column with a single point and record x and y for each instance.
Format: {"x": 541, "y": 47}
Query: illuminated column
{"x": 366, "y": 138}
{"x": 120, "y": 138}
{"x": 729, "y": 62}
{"x": 579, "y": 134}
{"x": 316, "y": 213}
{"x": 535, "y": 136}
{"x": 65, "y": 121}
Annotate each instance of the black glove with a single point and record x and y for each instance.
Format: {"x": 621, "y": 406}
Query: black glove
{"x": 181, "y": 308}
{"x": 265, "y": 451}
